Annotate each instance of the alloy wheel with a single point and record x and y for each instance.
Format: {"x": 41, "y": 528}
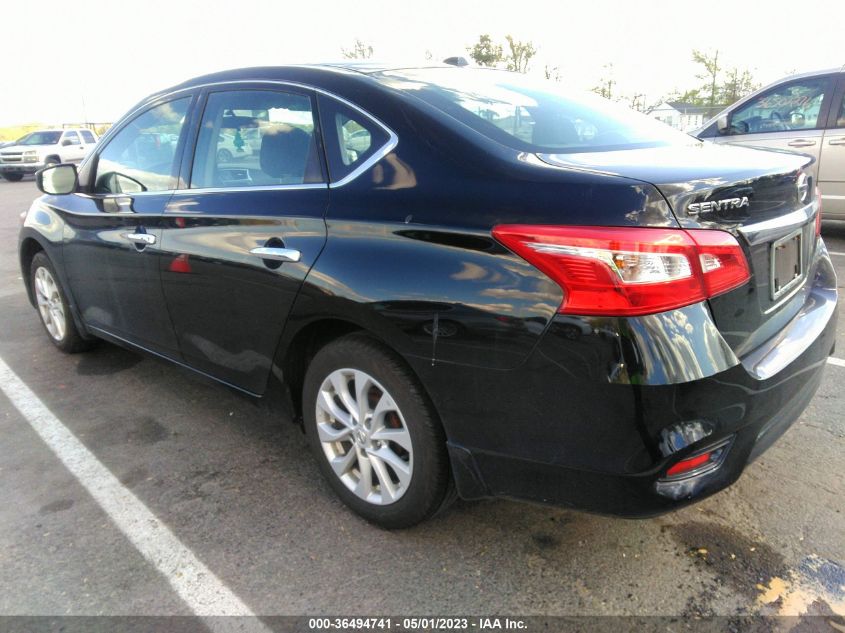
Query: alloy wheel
{"x": 364, "y": 436}
{"x": 50, "y": 304}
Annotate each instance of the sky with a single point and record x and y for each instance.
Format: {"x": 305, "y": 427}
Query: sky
{"x": 92, "y": 60}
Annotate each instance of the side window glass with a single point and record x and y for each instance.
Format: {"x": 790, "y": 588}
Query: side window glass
{"x": 87, "y": 136}
{"x": 793, "y": 106}
{"x": 256, "y": 138}
{"x": 71, "y": 138}
{"x": 351, "y": 137}
{"x": 141, "y": 156}
{"x": 840, "y": 119}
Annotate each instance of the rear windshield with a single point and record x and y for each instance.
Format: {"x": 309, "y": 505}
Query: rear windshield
{"x": 532, "y": 115}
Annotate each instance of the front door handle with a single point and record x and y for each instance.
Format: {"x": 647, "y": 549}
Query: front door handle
{"x": 140, "y": 238}
{"x": 277, "y": 254}
{"x": 837, "y": 141}
{"x": 801, "y": 142}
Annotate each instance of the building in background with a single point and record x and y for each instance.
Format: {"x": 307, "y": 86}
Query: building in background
{"x": 683, "y": 116}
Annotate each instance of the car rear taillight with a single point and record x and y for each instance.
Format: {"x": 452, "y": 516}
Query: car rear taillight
{"x": 629, "y": 271}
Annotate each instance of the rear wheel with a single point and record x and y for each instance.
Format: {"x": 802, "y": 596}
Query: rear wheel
{"x": 376, "y": 438}
{"x": 224, "y": 156}
{"x": 53, "y": 306}
{"x": 13, "y": 177}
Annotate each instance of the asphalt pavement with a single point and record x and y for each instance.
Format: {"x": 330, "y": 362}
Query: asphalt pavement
{"x": 232, "y": 482}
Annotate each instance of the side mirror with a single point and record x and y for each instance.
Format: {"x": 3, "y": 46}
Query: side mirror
{"x": 723, "y": 124}
{"x": 66, "y": 142}
{"x": 57, "y": 180}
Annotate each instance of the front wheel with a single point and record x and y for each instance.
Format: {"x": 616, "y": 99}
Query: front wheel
{"x": 13, "y": 177}
{"x": 376, "y": 437}
{"x": 53, "y": 306}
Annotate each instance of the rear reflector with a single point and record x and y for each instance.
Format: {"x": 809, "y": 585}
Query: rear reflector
{"x": 686, "y": 465}
{"x": 629, "y": 271}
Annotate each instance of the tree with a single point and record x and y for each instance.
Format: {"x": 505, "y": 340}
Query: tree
{"x": 710, "y": 73}
{"x": 605, "y": 86}
{"x": 358, "y": 51}
{"x": 520, "y": 54}
{"x": 485, "y": 52}
{"x": 552, "y": 72}
{"x": 736, "y": 86}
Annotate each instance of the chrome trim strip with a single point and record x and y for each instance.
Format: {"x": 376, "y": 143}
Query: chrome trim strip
{"x": 389, "y": 146}
{"x": 770, "y": 229}
{"x": 202, "y": 190}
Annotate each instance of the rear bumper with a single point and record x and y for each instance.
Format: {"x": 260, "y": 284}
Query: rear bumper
{"x": 579, "y": 424}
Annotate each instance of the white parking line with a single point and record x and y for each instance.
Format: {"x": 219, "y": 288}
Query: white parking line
{"x": 836, "y": 253}
{"x": 202, "y": 591}
{"x": 836, "y": 361}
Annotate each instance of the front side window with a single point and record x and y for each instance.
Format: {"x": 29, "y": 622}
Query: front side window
{"x": 531, "y": 115}
{"x": 142, "y": 155}
{"x": 72, "y": 138}
{"x": 256, "y": 138}
{"x": 351, "y": 137}
{"x": 792, "y": 106}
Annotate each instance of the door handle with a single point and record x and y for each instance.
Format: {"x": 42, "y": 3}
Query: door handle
{"x": 801, "y": 142}
{"x": 277, "y": 254}
{"x": 140, "y": 238}
{"x": 837, "y": 141}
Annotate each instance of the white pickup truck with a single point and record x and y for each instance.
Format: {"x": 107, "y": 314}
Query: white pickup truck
{"x": 45, "y": 147}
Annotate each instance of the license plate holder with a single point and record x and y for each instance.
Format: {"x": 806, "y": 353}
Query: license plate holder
{"x": 787, "y": 267}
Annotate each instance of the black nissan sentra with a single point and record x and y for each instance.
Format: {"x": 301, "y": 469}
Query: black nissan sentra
{"x": 463, "y": 282}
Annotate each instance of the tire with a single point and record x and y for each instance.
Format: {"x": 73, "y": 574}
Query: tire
{"x": 13, "y": 177}
{"x": 224, "y": 156}
{"x": 53, "y": 306}
{"x": 52, "y": 160}
{"x": 403, "y": 443}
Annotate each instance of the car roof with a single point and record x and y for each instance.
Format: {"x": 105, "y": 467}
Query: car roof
{"x": 348, "y": 68}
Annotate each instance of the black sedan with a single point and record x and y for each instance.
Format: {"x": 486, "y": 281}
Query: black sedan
{"x": 462, "y": 281}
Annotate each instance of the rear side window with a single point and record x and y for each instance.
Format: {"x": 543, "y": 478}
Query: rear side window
{"x": 142, "y": 155}
{"x": 351, "y": 137}
{"x": 88, "y": 137}
{"x": 792, "y": 106}
{"x": 256, "y": 138}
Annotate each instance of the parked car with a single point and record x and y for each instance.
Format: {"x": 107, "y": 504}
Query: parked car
{"x": 484, "y": 301}
{"x": 802, "y": 113}
{"x": 45, "y": 147}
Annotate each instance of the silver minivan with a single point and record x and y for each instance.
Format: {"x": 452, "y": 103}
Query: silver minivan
{"x": 802, "y": 113}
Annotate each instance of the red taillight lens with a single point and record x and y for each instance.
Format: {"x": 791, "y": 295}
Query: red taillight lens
{"x": 629, "y": 271}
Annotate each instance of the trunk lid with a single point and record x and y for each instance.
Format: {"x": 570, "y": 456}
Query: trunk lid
{"x": 763, "y": 197}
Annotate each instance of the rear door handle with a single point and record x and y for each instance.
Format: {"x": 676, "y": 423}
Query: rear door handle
{"x": 801, "y": 142}
{"x": 140, "y": 238}
{"x": 277, "y": 254}
{"x": 837, "y": 141}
